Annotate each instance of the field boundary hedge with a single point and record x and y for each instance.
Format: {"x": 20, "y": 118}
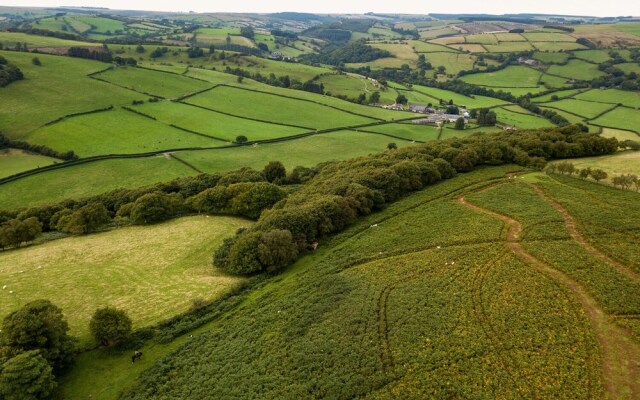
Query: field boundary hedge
{"x": 197, "y": 133}
{"x": 126, "y": 87}
{"x": 138, "y": 112}
{"x": 172, "y": 73}
{"x": 300, "y": 99}
{"x": 247, "y": 118}
{"x": 55, "y": 121}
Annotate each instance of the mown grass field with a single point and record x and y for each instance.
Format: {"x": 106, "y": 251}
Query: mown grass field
{"x": 619, "y": 134}
{"x": 623, "y": 162}
{"x": 621, "y": 118}
{"x": 356, "y": 315}
{"x": 513, "y": 76}
{"x": 115, "y": 132}
{"x": 13, "y": 161}
{"x": 152, "y": 272}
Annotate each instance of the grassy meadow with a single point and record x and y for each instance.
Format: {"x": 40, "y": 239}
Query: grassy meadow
{"x": 152, "y": 272}
{"x": 620, "y": 118}
{"x": 13, "y": 161}
{"x": 89, "y": 179}
{"x": 115, "y": 132}
{"x": 58, "y": 87}
{"x": 512, "y": 76}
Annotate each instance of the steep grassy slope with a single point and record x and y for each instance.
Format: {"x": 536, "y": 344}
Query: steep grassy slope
{"x": 412, "y": 303}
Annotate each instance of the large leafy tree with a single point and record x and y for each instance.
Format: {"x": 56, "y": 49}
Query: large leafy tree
{"x": 27, "y": 376}
{"x": 110, "y": 326}
{"x": 39, "y": 325}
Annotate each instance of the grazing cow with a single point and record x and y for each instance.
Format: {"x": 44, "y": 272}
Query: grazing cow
{"x": 136, "y": 356}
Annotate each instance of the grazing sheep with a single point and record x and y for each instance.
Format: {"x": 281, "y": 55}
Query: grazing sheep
{"x": 373, "y": 226}
{"x": 4, "y": 287}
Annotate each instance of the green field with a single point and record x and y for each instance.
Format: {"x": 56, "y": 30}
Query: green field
{"x": 435, "y": 94}
{"x": 623, "y": 162}
{"x": 58, "y": 87}
{"x": 102, "y": 25}
{"x": 487, "y": 38}
{"x": 508, "y": 47}
{"x": 408, "y": 131}
{"x": 551, "y": 58}
{"x": 90, "y": 179}
{"x": 214, "y": 124}
{"x": 13, "y": 161}
{"x": 307, "y": 152}
{"x": 151, "y": 272}
{"x": 272, "y": 108}
{"x": 9, "y": 39}
{"x": 587, "y": 109}
{"x": 522, "y": 119}
{"x": 115, "y": 132}
{"x": 554, "y": 82}
{"x": 510, "y": 77}
{"x": 424, "y": 47}
{"x": 620, "y": 134}
{"x": 576, "y": 69}
{"x": 620, "y": 118}
{"x": 612, "y": 96}
{"x": 595, "y": 56}
{"x": 628, "y": 68}
{"x": 561, "y": 94}
{"x": 152, "y": 82}
{"x": 510, "y": 37}
{"x": 557, "y": 46}
{"x": 548, "y": 37}
{"x": 453, "y": 62}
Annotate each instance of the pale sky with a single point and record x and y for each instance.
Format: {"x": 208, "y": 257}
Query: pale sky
{"x": 573, "y": 7}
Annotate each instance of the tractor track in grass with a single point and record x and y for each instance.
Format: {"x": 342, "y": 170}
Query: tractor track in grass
{"x": 571, "y": 226}
{"x": 620, "y": 354}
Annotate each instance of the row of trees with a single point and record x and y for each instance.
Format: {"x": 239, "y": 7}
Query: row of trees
{"x": 624, "y": 181}
{"x": 245, "y": 192}
{"x": 342, "y": 192}
{"x": 6, "y": 143}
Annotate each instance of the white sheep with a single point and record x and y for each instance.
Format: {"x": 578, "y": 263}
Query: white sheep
{"x": 4, "y": 287}
{"x": 373, "y": 226}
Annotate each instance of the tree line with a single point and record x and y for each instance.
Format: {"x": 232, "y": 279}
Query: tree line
{"x": 332, "y": 196}
{"x": 6, "y": 143}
